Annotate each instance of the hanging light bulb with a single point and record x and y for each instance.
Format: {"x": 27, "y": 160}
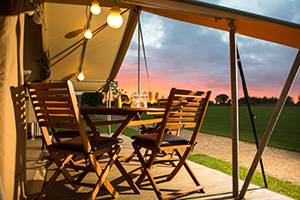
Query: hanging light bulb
{"x": 95, "y": 8}
{"x": 114, "y": 19}
{"x": 88, "y": 34}
{"x": 80, "y": 76}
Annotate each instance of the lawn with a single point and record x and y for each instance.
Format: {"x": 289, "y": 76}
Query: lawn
{"x": 274, "y": 184}
{"x": 286, "y": 134}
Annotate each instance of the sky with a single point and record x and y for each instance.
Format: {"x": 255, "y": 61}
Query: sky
{"x": 188, "y": 56}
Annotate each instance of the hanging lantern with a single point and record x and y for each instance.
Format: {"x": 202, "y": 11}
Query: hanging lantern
{"x": 80, "y": 76}
{"x": 88, "y": 34}
{"x": 95, "y": 8}
{"x": 114, "y": 19}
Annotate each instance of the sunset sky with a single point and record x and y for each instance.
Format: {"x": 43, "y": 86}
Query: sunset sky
{"x": 189, "y": 56}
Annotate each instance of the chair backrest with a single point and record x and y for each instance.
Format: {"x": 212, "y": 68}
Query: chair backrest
{"x": 184, "y": 109}
{"x": 56, "y": 106}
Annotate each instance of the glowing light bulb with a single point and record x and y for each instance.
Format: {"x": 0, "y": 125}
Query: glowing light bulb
{"x": 80, "y": 76}
{"x": 95, "y": 8}
{"x": 114, "y": 19}
{"x": 88, "y": 34}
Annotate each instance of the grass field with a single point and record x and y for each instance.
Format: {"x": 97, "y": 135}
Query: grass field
{"x": 286, "y": 134}
{"x": 274, "y": 184}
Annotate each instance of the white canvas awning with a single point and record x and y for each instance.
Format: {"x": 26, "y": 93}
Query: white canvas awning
{"x": 105, "y": 52}
{"x": 65, "y": 25}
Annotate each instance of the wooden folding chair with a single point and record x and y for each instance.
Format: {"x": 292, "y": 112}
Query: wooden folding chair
{"x": 184, "y": 109}
{"x": 161, "y": 103}
{"x": 55, "y": 106}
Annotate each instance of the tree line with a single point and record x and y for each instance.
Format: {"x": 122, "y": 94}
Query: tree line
{"x": 96, "y": 99}
{"x": 223, "y": 99}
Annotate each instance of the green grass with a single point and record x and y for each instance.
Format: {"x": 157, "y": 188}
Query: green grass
{"x": 274, "y": 184}
{"x": 286, "y": 134}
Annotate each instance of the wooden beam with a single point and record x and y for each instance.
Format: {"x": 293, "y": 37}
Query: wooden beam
{"x": 272, "y": 122}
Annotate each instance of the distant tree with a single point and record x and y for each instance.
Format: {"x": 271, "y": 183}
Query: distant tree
{"x": 273, "y": 100}
{"x": 229, "y": 102}
{"x": 222, "y": 99}
{"x": 211, "y": 103}
{"x": 298, "y": 100}
{"x": 156, "y": 96}
{"x": 150, "y": 96}
{"x": 264, "y": 100}
{"x": 259, "y": 101}
{"x": 289, "y": 101}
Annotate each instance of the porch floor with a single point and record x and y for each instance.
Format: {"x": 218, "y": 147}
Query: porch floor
{"x": 217, "y": 184}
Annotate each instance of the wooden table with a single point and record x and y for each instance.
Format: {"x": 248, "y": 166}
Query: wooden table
{"x": 132, "y": 118}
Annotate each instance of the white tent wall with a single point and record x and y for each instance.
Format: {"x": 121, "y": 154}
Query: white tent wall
{"x": 12, "y": 129}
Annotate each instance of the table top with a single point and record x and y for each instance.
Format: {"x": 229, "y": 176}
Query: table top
{"x": 118, "y": 111}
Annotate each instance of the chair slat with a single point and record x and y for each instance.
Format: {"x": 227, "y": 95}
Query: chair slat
{"x": 184, "y": 98}
{"x": 47, "y": 98}
{"x": 190, "y": 92}
{"x": 55, "y": 124}
{"x": 50, "y": 92}
{"x": 53, "y": 111}
{"x": 57, "y": 117}
{"x": 55, "y": 105}
{"x": 181, "y": 119}
{"x": 47, "y": 86}
{"x": 185, "y": 109}
{"x": 184, "y": 114}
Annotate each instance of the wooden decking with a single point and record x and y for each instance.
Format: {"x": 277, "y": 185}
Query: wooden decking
{"x": 217, "y": 185}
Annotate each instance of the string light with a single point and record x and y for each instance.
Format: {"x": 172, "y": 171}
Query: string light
{"x": 95, "y": 8}
{"x": 114, "y": 19}
{"x": 80, "y": 76}
{"x": 88, "y": 34}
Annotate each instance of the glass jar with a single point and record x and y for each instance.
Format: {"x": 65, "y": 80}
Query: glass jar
{"x": 144, "y": 100}
{"x": 135, "y": 100}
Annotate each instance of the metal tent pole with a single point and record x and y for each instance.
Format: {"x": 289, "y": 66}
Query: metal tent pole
{"x": 250, "y": 111}
{"x": 234, "y": 110}
{"x": 272, "y": 122}
{"x": 139, "y": 56}
{"x": 139, "y": 61}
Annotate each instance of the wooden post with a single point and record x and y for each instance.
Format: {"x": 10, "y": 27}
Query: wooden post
{"x": 234, "y": 110}
{"x": 273, "y": 120}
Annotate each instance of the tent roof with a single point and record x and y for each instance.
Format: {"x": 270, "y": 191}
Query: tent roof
{"x": 105, "y": 52}
{"x": 102, "y": 57}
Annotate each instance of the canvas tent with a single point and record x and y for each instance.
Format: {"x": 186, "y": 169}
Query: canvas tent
{"x": 103, "y": 58}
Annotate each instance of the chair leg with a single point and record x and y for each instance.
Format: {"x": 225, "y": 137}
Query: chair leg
{"x": 102, "y": 174}
{"x": 124, "y": 173}
{"x": 64, "y": 171}
{"x": 146, "y": 171}
{"x": 186, "y": 165}
{"x": 49, "y": 184}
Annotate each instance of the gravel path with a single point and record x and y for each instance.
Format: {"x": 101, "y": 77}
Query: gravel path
{"x": 282, "y": 164}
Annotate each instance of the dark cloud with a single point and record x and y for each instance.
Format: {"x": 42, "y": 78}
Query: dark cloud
{"x": 191, "y": 54}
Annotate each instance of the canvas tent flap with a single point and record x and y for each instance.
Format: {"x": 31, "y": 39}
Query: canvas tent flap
{"x": 215, "y": 16}
{"x": 65, "y": 25}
